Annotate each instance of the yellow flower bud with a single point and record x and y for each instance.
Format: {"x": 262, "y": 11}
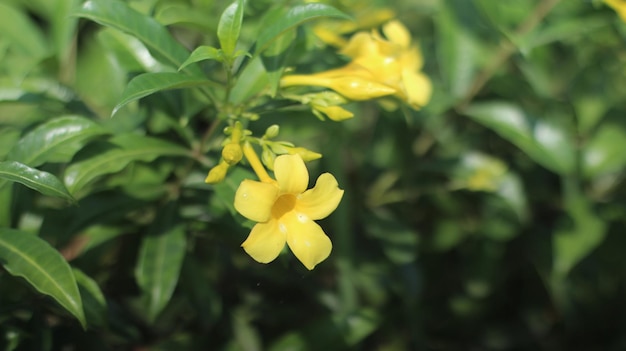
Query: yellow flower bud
{"x": 336, "y": 113}
{"x": 307, "y": 155}
{"x": 232, "y": 153}
{"x": 217, "y": 173}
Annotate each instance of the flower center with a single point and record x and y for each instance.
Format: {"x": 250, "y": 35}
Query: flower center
{"x": 283, "y": 204}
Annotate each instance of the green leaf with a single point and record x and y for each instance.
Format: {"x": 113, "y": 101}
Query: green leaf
{"x": 571, "y": 245}
{"x": 126, "y": 148}
{"x": 150, "y": 83}
{"x": 118, "y": 15}
{"x": 281, "y": 20}
{"x": 22, "y": 32}
{"x": 40, "y": 181}
{"x": 229, "y": 26}
{"x": 276, "y": 56}
{"x": 56, "y": 136}
{"x": 160, "y": 260}
{"x": 28, "y": 256}
{"x": 94, "y": 303}
{"x": 542, "y": 140}
{"x": 202, "y": 53}
{"x": 604, "y": 153}
{"x": 458, "y": 53}
{"x": 251, "y": 81}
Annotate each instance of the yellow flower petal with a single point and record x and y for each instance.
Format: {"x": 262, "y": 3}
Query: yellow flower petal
{"x": 418, "y": 88}
{"x": 291, "y": 174}
{"x": 322, "y": 200}
{"x": 265, "y": 242}
{"x": 360, "y": 44}
{"x": 397, "y": 33}
{"x": 306, "y": 239}
{"x": 357, "y": 88}
{"x": 254, "y": 200}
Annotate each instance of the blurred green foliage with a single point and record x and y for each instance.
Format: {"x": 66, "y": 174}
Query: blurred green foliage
{"x": 491, "y": 219}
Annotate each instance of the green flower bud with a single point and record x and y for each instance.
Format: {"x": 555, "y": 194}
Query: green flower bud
{"x": 272, "y": 131}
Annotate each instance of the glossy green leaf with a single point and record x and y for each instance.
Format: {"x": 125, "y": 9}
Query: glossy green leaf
{"x": 119, "y": 15}
{"x": 28, "y": 256}
{"x": 284, "y": 19}
{"x": 542, "y": 140}
{"x": 129, "y": 51}
{"x": 35, "y": 179}
{"x": 202, "y": 53}
{"x": 604, "y": 153}
{"x": 126, "y": 148}
{"x": 150, "y": 83}
{"x": 56, "y": 136}
{"x": 160, "y": 259}
{"x": 229, "y": 26}
{"x": 94, "y": 303}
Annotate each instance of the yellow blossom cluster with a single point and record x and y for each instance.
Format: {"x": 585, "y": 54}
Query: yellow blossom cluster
{"x": 380, "y": 66}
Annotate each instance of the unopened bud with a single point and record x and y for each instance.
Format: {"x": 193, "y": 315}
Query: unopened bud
{"x": 268, "y": 157}
{"x": 232, "y": 153}
{"x": 217, "y": 173}
{"x": 272, "y": 131}
{"x": 307, "y": 155}
{"x": 336, "y": 113}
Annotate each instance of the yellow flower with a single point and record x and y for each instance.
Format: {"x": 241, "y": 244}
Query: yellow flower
{"x": 379, "y": 67}
{"x": 619, "y": 6}
{"x": 286, "y": 211}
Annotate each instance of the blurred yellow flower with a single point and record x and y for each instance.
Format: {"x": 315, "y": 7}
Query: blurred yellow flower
{"x": 286, "y": 211}
{"x": 379, "y": 67}
{"x": 619, "y": 6}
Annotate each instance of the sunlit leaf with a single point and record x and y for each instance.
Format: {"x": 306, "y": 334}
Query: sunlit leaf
{"x": 28, "y": 256}
{"x": 542, "y": 140}
{"x": 35, "y": 179}
{"x": 604, "y": 153}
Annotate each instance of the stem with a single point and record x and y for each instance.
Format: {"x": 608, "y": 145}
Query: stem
{"x": 255, "y": 163}
{"x": 507, "y": 48}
